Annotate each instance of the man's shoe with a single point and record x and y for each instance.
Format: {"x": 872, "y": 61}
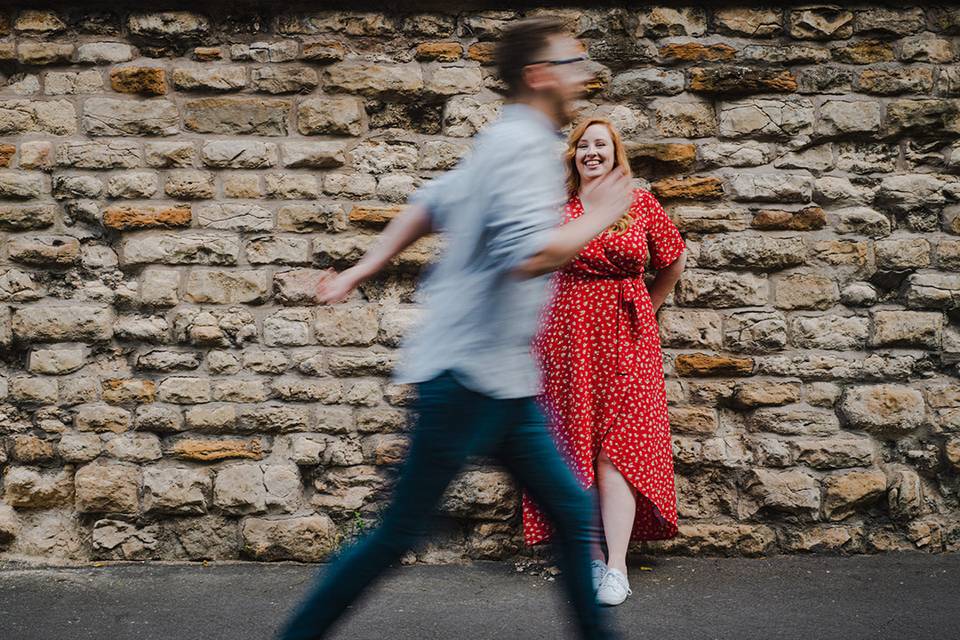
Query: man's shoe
{"x": 598, "y": 569}
{"x": 614, "y": 588}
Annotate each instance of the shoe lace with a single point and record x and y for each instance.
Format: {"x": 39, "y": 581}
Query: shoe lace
{"x": 620, "y": 579}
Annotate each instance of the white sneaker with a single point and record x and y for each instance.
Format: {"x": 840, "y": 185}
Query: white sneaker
{"x": 598, "y": 569}
{"x": 614, "y": 588}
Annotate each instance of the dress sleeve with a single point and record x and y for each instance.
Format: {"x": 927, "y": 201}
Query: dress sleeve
{"x": 664, "y": 239}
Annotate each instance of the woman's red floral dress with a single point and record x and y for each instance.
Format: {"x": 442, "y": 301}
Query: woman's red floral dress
{"x": 599, "y": 350}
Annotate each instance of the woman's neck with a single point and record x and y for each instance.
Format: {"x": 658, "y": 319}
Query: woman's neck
{"x": 584, "y": 182}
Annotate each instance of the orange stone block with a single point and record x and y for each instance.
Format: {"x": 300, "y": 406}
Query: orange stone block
{"x": 214, "y": 450}
{"x": 738, "y": 80}
{"x": 130, "y": 218}
{"x": 691, "y": 188}
{"x": 661, "y": 157}
{"x": 151, "y": 81}
{"x": 6, "y": 154}
{"x": 703, "y": 364}
{"x": 440, "y": 51}
{"x": 808, "y": 219}
{"x": 696, "y": 52}
{"x": 206, "y": 54}
{"x": 370, "y": 216}
{"x": 865, "y": 52}
{"x": 482, "y": 52}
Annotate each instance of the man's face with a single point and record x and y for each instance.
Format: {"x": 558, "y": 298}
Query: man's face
{"x": 564, "y": 83}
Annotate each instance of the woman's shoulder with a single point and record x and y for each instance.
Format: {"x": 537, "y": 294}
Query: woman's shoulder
{"x": 644, "y": 202}
{"x": 643, "y": 196}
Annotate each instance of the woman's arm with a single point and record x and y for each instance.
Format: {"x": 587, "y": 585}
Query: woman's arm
{"x": 665, "y": 280}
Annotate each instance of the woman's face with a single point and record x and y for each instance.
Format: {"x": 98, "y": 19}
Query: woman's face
{"x": 595, "y": 153}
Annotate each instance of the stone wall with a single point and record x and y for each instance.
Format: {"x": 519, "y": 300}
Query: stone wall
{"x": 173, "y": 183}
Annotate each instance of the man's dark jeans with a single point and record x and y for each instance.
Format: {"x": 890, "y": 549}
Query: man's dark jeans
{"x": 453, "y": 423}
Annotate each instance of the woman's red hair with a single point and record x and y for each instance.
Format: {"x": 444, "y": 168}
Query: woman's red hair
{"x": 619, "y": 160}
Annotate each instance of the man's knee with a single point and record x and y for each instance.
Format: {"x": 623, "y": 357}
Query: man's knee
{"x": 574, "y": 507}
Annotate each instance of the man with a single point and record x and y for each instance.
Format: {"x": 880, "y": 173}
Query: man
{"x": 471, "y": 361}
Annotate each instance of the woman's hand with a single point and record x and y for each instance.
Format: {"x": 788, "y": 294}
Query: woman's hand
{"x": 665, "y": 280}
{"x": 336, "y": 287}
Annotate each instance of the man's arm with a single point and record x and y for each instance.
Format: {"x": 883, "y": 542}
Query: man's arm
{"x": 426, "y": 212}
{"x": 604, "y": 202}
{"x": 413, "y": 223}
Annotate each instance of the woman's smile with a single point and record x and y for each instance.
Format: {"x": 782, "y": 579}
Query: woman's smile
{"x": 594, "y": 164}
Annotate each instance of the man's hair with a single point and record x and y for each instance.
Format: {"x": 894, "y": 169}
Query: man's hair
{"x": 523, "y": 43}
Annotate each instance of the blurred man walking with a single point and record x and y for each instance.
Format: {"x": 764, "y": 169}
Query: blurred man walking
{"x": 470, "y": 359}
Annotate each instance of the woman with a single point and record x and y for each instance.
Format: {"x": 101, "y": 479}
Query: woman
{"x": 599, "y": 349}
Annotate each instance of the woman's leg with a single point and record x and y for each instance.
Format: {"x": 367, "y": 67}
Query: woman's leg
{"x": 618, "y": 507}
{"x": 531, "y": 455}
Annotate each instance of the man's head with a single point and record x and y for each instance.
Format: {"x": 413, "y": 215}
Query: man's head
{"x": 538, "y": 60}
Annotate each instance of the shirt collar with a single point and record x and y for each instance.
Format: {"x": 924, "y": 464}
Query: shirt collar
{"x": 521, "y": 111}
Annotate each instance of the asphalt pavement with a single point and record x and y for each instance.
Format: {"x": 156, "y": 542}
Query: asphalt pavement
{"x": 895, "y": 596}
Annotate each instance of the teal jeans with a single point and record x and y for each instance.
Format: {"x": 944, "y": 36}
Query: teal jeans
{"x": 453, "y": 423}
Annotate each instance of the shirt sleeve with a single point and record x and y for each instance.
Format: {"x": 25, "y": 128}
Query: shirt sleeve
{"x": 664, "y": 239}
{"x": 528, "y": 186}
{"x": 437, "y": 196}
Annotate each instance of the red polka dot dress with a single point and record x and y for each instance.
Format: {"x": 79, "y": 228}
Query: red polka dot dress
{"x": 599, "y": 350}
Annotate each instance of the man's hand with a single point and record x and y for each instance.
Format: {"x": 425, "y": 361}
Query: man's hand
{"x": 604, "y": 202}
{"x": 609, "y": 197}
{"x": 336, "y": 287}
{"x": 412, "y": 224}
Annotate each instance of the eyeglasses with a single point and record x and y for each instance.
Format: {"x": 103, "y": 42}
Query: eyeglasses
{"x": 564, "y": 61}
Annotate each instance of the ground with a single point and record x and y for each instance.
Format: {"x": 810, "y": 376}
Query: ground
{"x": 900, "y": 596}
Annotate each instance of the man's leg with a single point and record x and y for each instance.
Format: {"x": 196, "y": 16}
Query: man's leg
{"x": 530, "y": 454}
{"x": 442, "y": 440}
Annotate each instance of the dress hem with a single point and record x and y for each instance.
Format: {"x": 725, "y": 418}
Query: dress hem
{"x": 670, "y": 531}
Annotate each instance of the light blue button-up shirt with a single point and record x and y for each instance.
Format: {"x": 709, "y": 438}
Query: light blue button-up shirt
{"x": 496, "y": 209}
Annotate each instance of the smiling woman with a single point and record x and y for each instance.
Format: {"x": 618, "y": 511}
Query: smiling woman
{"x": 597, "y": 151}
{"x": 599, "y": 349}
